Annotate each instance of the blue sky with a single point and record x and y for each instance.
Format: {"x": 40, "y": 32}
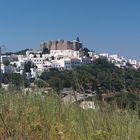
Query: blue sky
{"x": 111, "y": 26}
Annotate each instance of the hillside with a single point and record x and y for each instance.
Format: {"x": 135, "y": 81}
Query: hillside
{"x": 41, "y": 116}
{"x": 100, "y": 76}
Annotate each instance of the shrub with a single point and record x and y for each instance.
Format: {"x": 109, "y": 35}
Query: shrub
{"x": 40, "y": 83}
{"x": 126, "y": 99}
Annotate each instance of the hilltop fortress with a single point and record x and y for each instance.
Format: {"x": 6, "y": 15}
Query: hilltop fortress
{"x": 62, "y": 45}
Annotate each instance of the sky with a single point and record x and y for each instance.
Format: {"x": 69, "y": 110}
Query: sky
{"x": 111, "y": 26}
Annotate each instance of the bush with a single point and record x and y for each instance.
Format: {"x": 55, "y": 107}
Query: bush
{"x": 127, "y": 100}
{"x": 40, "y": 83}
{"x": 26, "y": 83}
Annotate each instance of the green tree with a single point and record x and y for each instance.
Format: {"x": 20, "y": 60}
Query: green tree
{"x": 46, "y": 51}
{"x": 16, "y": 79}
{"x": 27, "y": 66}
{"x": 127, "y": 100}
{"x": 6, "y": 62}
{"x": 100, "y": 75}
{"x": 40, "y": 83}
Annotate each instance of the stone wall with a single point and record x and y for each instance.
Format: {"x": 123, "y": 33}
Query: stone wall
{"x": 61, "y": 45}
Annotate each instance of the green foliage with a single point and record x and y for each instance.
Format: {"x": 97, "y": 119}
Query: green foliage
{"x": 6, "y": 62}
{"x": 27, "y": 66}
{"x": 46, "y": 51}
{"x": 100, "y": 76}
{"x": 16, "y": 79}
{"x": 15, "y": 65}
{"x": 47, "y": 118}
{"x": 85, "y": 51}
{"x": 58, "y": 80}
{"x": 22, "y": 52}
{"x": 40, "y": 83}
{"x": 26, "y": 83}
{"x": 127, "y": 100}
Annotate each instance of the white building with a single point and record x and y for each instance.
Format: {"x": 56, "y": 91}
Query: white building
{"x": 133, "y": 62}
{"x": 5, "y": 57}
{"x": 7, "y": 69}
{"x": 85, "y": 60}
{"x": 106, "y": 55}
{"x": 66, "y": 53}
{"x": 91, "y": 54}
{"x": 37, "y": 61}
{"x": 75, "y": 62}
{"x": 65, "y": 63}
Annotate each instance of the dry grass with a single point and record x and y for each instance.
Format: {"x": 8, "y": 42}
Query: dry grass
{"x": 37, "y": 117}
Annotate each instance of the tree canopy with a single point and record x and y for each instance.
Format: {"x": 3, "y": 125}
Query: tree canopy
{"x": 101, "y": 76}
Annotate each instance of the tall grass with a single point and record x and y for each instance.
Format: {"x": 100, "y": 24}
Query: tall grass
{"x": 45, "y": 117}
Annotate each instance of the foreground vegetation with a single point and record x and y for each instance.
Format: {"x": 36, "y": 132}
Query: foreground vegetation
{"x": 45, "y": 117}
